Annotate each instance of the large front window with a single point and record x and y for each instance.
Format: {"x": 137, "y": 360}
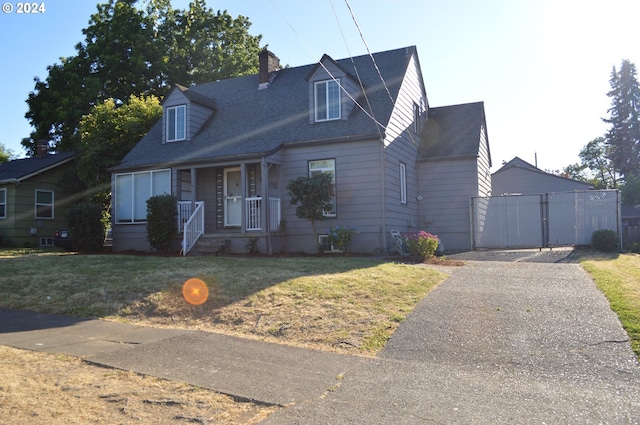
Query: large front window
{"x": 44, "y": 204}
{"x": 327, "y": 100}
{"x": 133, "y": 190}
{"x": 326, "y": 166}
{"x": 176, "y": 123}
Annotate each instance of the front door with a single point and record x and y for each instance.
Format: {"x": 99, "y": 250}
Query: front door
{"x": 232, "y": 197}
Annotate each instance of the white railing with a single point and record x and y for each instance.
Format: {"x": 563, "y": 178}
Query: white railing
{"x": 193, "y": 227}
{"x": 254, "y": 213}
{"x": 185, "y": 209}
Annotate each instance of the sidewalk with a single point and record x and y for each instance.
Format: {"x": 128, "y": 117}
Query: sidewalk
{"x": 497, "y": 342}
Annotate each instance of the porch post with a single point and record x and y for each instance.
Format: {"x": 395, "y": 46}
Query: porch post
{"x": 265, "y": 211}
{"x": 243, "y": 201}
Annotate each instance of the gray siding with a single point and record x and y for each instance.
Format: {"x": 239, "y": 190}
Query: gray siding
{"x": 519, "y": 180}
{"x": 401, "y": 143}
{"x": 176, "y": 98}
{"x": 358, "y": 193}
{"x": 447, "y": 187}
{"x": 347, "y": 83}
{"x": 484, "y": 165}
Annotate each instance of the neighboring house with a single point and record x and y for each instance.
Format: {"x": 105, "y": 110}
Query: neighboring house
{"x": 521, "y": 178}
{"x": 227, "y": 150}
{"x": 32, "y": 200}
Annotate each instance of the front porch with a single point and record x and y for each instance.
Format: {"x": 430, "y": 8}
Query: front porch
{"x": 224, "y": 206}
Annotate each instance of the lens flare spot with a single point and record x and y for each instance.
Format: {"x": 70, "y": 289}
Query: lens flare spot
{"x": 195, "y": 291}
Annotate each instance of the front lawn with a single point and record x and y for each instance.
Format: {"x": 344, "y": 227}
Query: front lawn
{"x": 343, "y": 304}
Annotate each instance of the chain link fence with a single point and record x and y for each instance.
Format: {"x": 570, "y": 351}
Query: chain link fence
{"x": 543, "y": 220}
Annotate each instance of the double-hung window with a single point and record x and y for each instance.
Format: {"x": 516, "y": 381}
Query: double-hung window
{"x": 326, "y": 166}
{"x": 176, "y": 123}
{"x": 44, "y": 204}
{"x": 133, "y": 190}
{"x": 327, "y": 100}
{"x": 3, "y": 203}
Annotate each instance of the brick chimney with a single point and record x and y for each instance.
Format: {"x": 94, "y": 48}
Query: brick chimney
{"x": 42, "y": 148}
{"x": 269, "y": 66}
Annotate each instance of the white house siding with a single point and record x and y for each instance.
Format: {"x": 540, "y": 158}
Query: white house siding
{"x": 358, "y": 197}
{"x": 447, "y": 186}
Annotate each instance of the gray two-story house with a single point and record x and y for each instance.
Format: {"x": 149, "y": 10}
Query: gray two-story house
{"x": 227, "y": 150}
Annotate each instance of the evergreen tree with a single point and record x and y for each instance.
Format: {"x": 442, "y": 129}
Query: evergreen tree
{"x": 623, "y": 137}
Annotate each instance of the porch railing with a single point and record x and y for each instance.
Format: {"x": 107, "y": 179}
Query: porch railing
{"x": 254, "y": 215}
{"x": 193, "y": 226}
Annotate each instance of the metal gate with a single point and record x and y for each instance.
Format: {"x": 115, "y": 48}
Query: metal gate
{"x": 550, "y": 219}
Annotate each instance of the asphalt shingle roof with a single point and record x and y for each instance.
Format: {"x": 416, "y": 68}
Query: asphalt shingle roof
{"x": 452, "y": 131}
{"x": 248, "y": 122}
{"x": 19, "y": 169}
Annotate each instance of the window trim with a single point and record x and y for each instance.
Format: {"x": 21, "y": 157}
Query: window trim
{"x": 152, "y": 192}
{"x": 174, "y": 137}
{"x": 332, "y": 213}
{"x": 403, "y": 183}
{"x": 37, "y": 205}
{"x": 3, "y": 203}
{"x": 327, "y": 100}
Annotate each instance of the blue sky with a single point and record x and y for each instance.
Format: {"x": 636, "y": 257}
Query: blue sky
{"x": 541, "y": 67}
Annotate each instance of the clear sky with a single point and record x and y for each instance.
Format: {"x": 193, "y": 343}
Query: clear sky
{"x": 541, "y": 67}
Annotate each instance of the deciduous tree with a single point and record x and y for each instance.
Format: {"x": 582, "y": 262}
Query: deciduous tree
{"x": 312, "y": 197}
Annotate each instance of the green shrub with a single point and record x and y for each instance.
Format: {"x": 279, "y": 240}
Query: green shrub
{"x": 605, "y": 240}
{"x": 86, "y": 227}
{"x": 421, "y": 244}
{"x": 340, "y": 237}
{"x": 162, "y": 221}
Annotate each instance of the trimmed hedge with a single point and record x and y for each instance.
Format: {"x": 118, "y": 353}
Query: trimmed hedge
{"x": 604, "y": 240}
{"x": 162, "y": 224}
{"x": 86, "y": 228}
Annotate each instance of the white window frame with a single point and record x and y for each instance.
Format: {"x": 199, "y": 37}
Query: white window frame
{"x": 3, "y": 203}
{"x": 42, "y": 204}
{"x": 330, "y": 86}
{"x": 325, "y": 166}
{"x": 403, "y": 183}
{"x": 173, "y": 136}
{"x": 131, "y": 203}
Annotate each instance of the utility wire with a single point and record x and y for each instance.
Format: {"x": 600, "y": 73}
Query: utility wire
{"x": 378, "y": 124}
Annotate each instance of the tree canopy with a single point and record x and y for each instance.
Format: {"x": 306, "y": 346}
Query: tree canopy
{"x": 5, "y": 154}
{"x": 623, "y": 137}
{"x": 130, "y": 50}
{"x": 312, "y": 197}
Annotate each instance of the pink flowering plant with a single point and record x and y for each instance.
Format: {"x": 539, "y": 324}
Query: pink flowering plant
{"x": 421, "y": 244}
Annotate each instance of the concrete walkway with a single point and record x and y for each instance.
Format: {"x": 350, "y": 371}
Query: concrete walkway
{"x": 513, "y": 341}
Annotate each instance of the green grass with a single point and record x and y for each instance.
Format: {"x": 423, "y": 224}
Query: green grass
{"x": 618, "y": 277}
{"x": 337, "y": 303}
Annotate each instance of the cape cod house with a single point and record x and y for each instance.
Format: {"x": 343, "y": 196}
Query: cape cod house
{"x": 227, "y": 150}
{"x": 32, "y": 199}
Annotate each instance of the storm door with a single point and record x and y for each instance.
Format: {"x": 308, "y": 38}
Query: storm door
{"x": 232, "y": 197}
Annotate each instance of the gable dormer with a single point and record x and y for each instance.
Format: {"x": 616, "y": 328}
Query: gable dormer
{"x": 184, "y": 113}
{"x": 332, "y": 90}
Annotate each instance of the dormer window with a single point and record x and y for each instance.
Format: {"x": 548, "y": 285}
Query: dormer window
{"x": 327, "y": 100}
{"x": 176, "y": 123}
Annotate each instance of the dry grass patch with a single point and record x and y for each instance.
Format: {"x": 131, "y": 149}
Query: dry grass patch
{"x": 344, "y": 304}
{"x": 40, "y": 388}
